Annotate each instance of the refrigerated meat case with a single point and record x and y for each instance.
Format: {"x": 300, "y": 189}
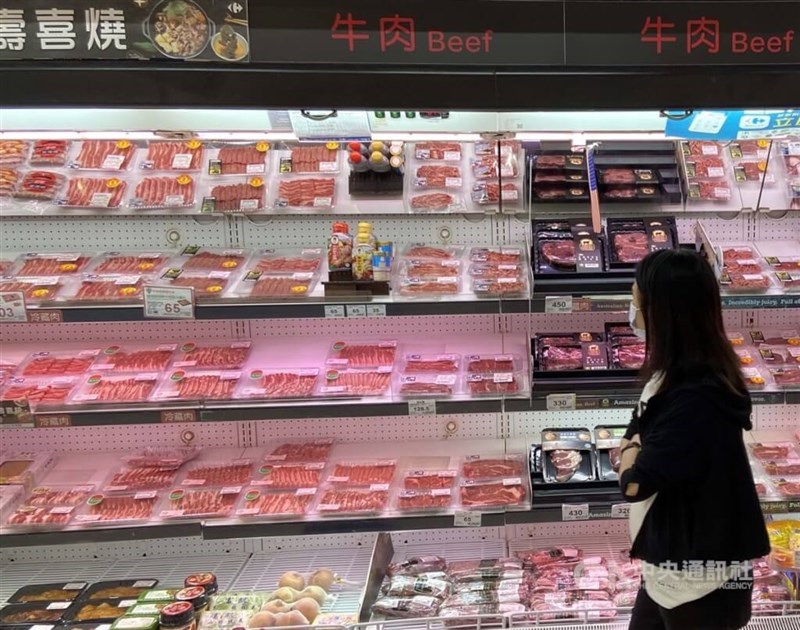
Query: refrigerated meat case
{"x": 451, "y": 103}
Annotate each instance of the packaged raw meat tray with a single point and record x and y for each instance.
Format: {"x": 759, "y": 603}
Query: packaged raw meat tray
{"x": 300, "y": 451}
{"x": 749, "y": 149}
{"x": 427, "y": 269}
{"x": 92, "y": 192}
{"x": 432, "y": 500}
{"x": 215, "y": 474}
{"x": 788, "y": 488}
{"x": 161, "y": 456}
{"x": 54, "y": 592}
{"x": 240, "y": 159}
{"x": 768, "y": 451}
{"x": 115, "y": 388}
{"x": 431, "y": 363}
{"x": 306, "y": 192}
{"x": 429, "y": 287}
{"x": 567, "y": 455}
{"x": 206, "y": 284}
{"x": 752, "y": 171}
{"x": 108, "y": 288}
{"x": 13, "y": 152}
{"x": 489, "y": 167}
{"x": 747, "y": 356}
{"x": 289, "y": 475}
{"x": 244, "y": 196}
{"x": 362, "y": 473}
{"x": 783, "y": 263}
{"x": 41, "y": 391}
{"x": 255, "y": 284}
{"x": 278, "y": 383}
{"x": 103, "y": 155}
{"x": 173, "y": 156}
{"x": 287, "y": 261}
{"x": 166, "y": 191}
{"x": 438, "y": 176}
{"x": 496, "y": 255}
{"x": 772, "y": 337}
{"x": 493, "y": 271}
{"x": 742, "y": 265}
{"x": 792, "y": 165}
{"x": 491, "y": 363}
{"x": 705, "y": 167}
{"x": 710, "y": 190}
{"x": 782, "y": 468}
{"x": 69, "y": 362}
{"x": 198, "y": 385}
{"x": 786, "y": 376}
{"x": 744, "y": 282}
{"x": 738, "y": 252}
{"x": 436, "y": 202}
{"x": 131, "y": 478}
{"x": 49, "y": 506}
{"x": 445, "y": 151}
{"x": 337, "y": 501}
{"x": 484, "y": 193}
{"x": 479, "y": 467}
{"x": 630, "y": 240}
{"x": 136, "y": 358}
{"x": 701, "y": 147}
{"x": 489, "y": 147}
{"x": 9, "y": 178}
{"x": 51, "y": 264}
{"x": 196, "y": 503}
{"x": 195, "y": 258}
{"x": 788, "y": 280}
{"x": 312, "y": 158}
{"x": 494, "y": 384}
{"x": 503, "y": 286}
{"x": 58, "y": 495}
{"x": 510, "y": 492}
{"x": 51, "y": 517}
{"x": 432, "y": 252}
{"x": 49, "y": 153}
{"x": 276, "y": 503}
{"x": 779, "y": 355}
{"x": 755, "y": 377}
{"x": 426, "y": 385}
{"x": 429, "y": 479}
{"x": 104, "y": 509}
{"x": 128, "y": 263}
{"x": 362, "y": 353}
{"x": 221, "y": 356}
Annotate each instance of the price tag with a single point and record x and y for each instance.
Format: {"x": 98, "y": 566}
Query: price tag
{"x": 464, "y": 518}
{"x": 168, "y": 302}
{"x": 422, "y": 407}
{"x": 182, "y": 161}
{"x": 173, "y": 201}
{"x": 255, "y": 169}
{"x": 249, "y": 205}
{"x": 334, "y": 310}
{"x": 620, "y": 510}
{"x": 558, "y": 304}
{"x": 561, "y": 402}
{"x": 12, "y": 307}
{"x": 100, "y": 200}
{"x": 578, "y": 512}
{"x": 58, "y": 605}
{"x": 356, "y": 310}
{"x": 113, "y": 162}
{"x": 376, "y": 310}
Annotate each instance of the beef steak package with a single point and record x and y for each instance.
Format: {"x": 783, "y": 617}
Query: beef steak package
{"x": 607, "y": 439}
{"x": 568, "y": 455}
{"x": 626, "y": 350}
{"x": 630, "y": 240}
{"x": 557, "y": 353}
{"x": 567, "y": 247}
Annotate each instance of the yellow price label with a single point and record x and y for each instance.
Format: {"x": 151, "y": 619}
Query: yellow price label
{"x": 332, "y": 146}
{"x": 262, "y": 147}
{"x": 214, "y": 288}
{"x": 757, "y": 380}
{"x": 145, "y": 266}
{"x": 113, "y": 183}
{"x": 184, "y": 180}
{"x": 794, "y": 341}
{"x": 256, "y": 182}
{"x": 230, "y": 264}
{"x": 123, "y": 144}
{"x": 746, "y": 360}
{"x": 762, "y": 166}
{"x": 40, "y": 293}
{"x": 127, "y": 291}
{"x": 300, "y": 288}
{"x": 194, "y": 144}
{"x": 762, "y": 144}
{"x": 68, "y": 267}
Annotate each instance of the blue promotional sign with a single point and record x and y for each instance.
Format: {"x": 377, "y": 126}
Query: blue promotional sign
{"x": 734, "y": 124}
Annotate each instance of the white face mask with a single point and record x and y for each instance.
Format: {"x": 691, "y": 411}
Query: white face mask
{"x": 633, "y": 311}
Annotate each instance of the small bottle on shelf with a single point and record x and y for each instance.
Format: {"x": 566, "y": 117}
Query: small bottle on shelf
{"x": 340, "y": 248}
{"x": 362, "y": 257}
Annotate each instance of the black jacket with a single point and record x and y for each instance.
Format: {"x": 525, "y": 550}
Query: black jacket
{"x": 693, "y": 455}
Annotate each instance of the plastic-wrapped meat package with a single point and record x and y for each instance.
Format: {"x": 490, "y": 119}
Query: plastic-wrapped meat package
{"x": 788, "y": 488}
{"x": 316, "y": 158}
{"x": 477, "y": 467}
{"x": 186, "y": 502}
{"x": 314, "y": 192}
{"x": 198, "y": 385}
{"x": 782, "y": 468}
{"x": 618, "y": 176}
{"x": 409, "y": 585}
{"x": 164, "y": 192}
{"x": 125, "y": 508}
{"x": 769, "y": 599}
{"x": 161, "y": 456}
{"x": 738, "y": 252}
{"x": 701, "y": 147}
{"x": 363, "y": 473}
{"x": 710, "y": 190}
{"x": 429, "y": 252}
{"x": 489, "y": 147}
{"x": 551, "y": 161}
{"x": 109, "y": 288}
{"x": 436, "y": 499}
{"x": 742, "y": 265}
{"x": 430, "y": 269}
{"x": 754, "y": 377}
{"x": 752, "y": 171}
{"x": 93, "y": 192}
{"x": 279, "y": 383}
{"x": 554, "y": 609}
{"x": 768, "y": 451}
{"x": 491, "y": 363}
{"x": 430, "y": 287}
{"x": 429, "y": 479}
{"x": 242, "y": 159}
{"x": 39, "y": 391}
{"x": 792, "y": 164}
{"x": 485, "y": 569}
{"x": 491, "y": 192}
{"x": 438, "y": 176}
{"x": 39, "y": 364}
{"x": 301, "y": 451}
{"x": 489, "y": 167}
{"x": 308, "y": 260}
{"x": 353, "y": 500}
{"x": 49, "y": 153}
{"x": 500, "y": 286}
{"x": 129, "y": 479}
{"x": 249, "y": 196}
{"x": 292, "y": 475}
{"x": 361, "y": 355}
{"x": 255, "y": 285}
{"x": 128, "y": 263}
{"x": 34, "y": 289}
{"x": 561, "y": 358}
{"x": 116, "y": 388}
{"x": 446, "y": 151}
{"x": 435, "y": 385}
{"x": 731, "y": 281}
{"x": 13, "y": 152}
{"x": 559, "y": 253}
{"x": 705, "y": 166}
{"x": 628, "y": 353}
{"x": 436, "y": 202}
{"x": 779, "y": 355}
{"x": 415, "y": 607}
{"x": 276, "y": 503}
{"x": 499, "y": 493}
{"x": 495, "y": 271}
{"x": 211, "y": 474}
{"x": 468, "y": 617}
{"x": 206, "y": 284}
{"x": 195, "y": 258}
{"x": 51, "y": 264}
{"x": 173, "y": 156}
{"x": 493, "y": 384}
{"x": 417, "y": 565}
{"x": 135, "y": 359}
{"x": 9, "y": 178}
{"x": 540, "y": 558}
{"x": 58, "y": 496}
{"x": 230, "y": 356}
{"x": 783, "y": 337}
{"x": 356, "y": 382}
{"x": 431, "y": 363}
{"x": 107, "y": 155}
{"x": 631, "y": 247}
{"x": 30, "y": 516}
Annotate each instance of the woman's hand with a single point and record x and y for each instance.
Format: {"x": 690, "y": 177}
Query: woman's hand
{"x": 628, "y": 459}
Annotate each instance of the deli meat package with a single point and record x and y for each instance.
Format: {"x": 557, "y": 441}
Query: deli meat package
{"x": 607, "y": 439}
{"x": 568, "y": 455}
{"x": 510, "y": 492}
{"x": 410, "y": 585}
{"x": 477, "y": 467}
{"x": 414, "y": 607}
{"x": 417, "y": 565}
{"x": 485, "y": 569}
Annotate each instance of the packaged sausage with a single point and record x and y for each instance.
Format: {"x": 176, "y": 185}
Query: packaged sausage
{"x": 49, "y": 153}
{"x": 125, "y": 263}
{"x": 115, "y": 388}
{"x": 102, "y": 155}
{"x": 234, "y": 158}
{"x": 104, "y": 509}
{"x": 163, "y": 192}
{"x": 222, "y": 356}
{"x": 135, "y": 357}
{"x": 13, "y": 152}
{"x": 193, "y": 385}
{"x": 265, "y": 502}
{"x": 92, "y": 193}
{"x": 278, "y": 383}
{"x": 206, "y": 284}
{"x": 311, "y": 158}
{"x": 39, "y": 185}
{"x": 173, "y": 156}
{"x": 200, "y": 503}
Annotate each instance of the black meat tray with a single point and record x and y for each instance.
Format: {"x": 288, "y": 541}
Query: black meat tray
{"x": 355, "y": 288}
{"x": 612, "y": 225}
{"x": 566, "y": 492}
{"x": 666, "y": 147}
{"x": 12, "y": 609}
{"x": 371, "y": 183}
{"x": 75, "y": 591}
{"x": 142, "y": 584}
{"x": 115, "y": 604}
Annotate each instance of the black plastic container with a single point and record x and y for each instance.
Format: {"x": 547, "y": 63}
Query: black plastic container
{"x": 119, "y": 589}
{"x": 52, "y": 592}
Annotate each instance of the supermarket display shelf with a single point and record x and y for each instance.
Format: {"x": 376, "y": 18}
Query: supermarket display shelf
{"x": 101, "y": 535}
{"x": 575, "y": 303}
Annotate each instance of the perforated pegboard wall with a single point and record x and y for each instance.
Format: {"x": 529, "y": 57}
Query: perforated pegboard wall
{"x": 787, "y": 227}
{"x": 766, "y": 417}
{"x": 531, "y": 424}
{"x": 578, "y": 532}
{"x": 94, "y": 332}
{"x": 728, "y": 229}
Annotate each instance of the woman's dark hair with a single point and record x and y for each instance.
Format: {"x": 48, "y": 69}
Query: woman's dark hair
{"x": 683, "y": 318}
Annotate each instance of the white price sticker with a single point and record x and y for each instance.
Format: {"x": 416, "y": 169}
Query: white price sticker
{"x": 113, "y": 162}
{"x": 464, "y": 518}
{"x": 173, "y": 201}
{"x": 328, "y": 167}
{"x": 422, "y": 407}
{"x": 453, "y": 182}
{"x": 452, "y": 156}
{"x": 12, "y": 307}
{"x": 579, "y": 512}
{"x": 168, "y": 302}
{"x": 59, "y": 605}
{"x": 376, "y": 310}
{"x": 356, "y": 310}
{"x": 558, "y": 304}
{"x": 334, "y": 310}
{"x": 100, "y": 200}
{"x": 620, "y": 510}
{"x": 716, "y": 172}
{"x": 323, "y": 202}
{"x": 249, "y": 205}
{"x": 561, "y": 402}
{"x": 255, "y": 169}
{"x": 182, "y": 161}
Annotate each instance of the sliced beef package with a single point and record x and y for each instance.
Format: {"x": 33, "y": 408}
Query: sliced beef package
{"x": 568, "y": 455}
{"x": 626, "y": 350}
{"x": 607, "y": 439}
{"x": 557, "y": 353}
{"x": 567, "y": 247}
{"x": 630, "y": 240}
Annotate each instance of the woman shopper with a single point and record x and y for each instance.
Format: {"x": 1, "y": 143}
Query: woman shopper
{"x": 695, "y": 519}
